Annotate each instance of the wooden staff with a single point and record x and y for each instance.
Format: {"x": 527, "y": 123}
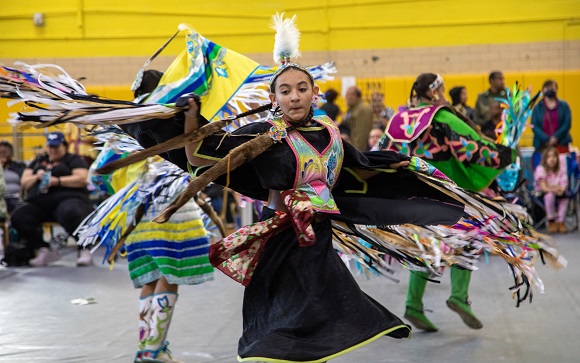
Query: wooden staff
{"x": 208, "y": 209}
{"x": 236, "y": 157}
{"x": 171, "y": 144}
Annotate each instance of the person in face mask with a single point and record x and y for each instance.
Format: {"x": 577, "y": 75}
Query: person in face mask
{"x": 551, "y": 119}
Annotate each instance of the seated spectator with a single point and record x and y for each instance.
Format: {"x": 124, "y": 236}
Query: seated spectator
{"x": 55, "y": 187}
{"x": 488, "y": 128}
{"x": 330, "y": 107}
{"x": 459, "y": 102}
{"x": 374, "y": 137}
{"x": 552, "y": 120}
{"x": 381, "y": 113}
{"x": 12, "y": 173}
{"x": 550, "y": 178}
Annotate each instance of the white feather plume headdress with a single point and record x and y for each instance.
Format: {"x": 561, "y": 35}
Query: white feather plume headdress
{"x": 286, "y": 44}
{"x": 287, "y": 39}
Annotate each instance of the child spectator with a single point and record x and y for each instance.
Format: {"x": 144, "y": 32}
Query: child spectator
{"x": 551, "y": 178}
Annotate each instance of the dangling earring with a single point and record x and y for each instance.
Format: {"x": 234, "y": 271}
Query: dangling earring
{"x": 275, "y": 109}
{"x": 315, "y": 99}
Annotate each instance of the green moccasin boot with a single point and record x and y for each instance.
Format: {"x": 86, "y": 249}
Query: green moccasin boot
{"x": 414, "y": 305}
{"x": 419, "y": 320}
{"x": 458, "y": 301}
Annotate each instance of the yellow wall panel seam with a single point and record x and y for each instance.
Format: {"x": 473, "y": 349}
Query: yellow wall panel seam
{"x": 349, "y": 4}
{"x": 28, "y": 14}
{"x": 217, "y": 14}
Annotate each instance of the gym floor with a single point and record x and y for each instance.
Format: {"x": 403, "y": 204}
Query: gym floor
{"x": 38, "y": 322}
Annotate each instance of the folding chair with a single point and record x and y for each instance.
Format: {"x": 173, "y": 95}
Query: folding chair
{"x": 54, "y": 235}
{"x": 5, "y": 227}
{"x": 573, "y": 170}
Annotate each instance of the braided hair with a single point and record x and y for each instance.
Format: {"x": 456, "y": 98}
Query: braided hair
{"x": 421, "y": 85}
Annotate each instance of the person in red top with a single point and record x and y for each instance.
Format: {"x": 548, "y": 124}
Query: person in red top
{"x": 551, "y": 120}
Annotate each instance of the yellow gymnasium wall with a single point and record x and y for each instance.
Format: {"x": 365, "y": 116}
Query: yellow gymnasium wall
{"x": 396, "y": 90}
{"x": 384, "y": 44}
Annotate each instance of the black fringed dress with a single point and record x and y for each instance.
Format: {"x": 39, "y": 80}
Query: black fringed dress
{"x": 302, "y": 304}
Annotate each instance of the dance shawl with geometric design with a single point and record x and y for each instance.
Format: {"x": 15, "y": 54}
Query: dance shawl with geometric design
{"x": 436, "y": 134}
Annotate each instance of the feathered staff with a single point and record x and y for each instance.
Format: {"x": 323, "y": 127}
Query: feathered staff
{"x": 518, "y": 106}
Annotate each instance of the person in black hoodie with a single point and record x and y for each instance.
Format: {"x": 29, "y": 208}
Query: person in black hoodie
{"x": 55, "y": 186}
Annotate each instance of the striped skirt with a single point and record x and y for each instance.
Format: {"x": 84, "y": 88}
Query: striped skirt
{"x": 177, "y": 249}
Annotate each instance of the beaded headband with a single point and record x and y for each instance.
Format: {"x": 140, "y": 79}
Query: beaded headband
{"x": 290, "y": 65}
{"x": 436, "y": 83}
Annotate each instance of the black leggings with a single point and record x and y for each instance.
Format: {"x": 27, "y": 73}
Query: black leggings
{"x": 27, "y": 219}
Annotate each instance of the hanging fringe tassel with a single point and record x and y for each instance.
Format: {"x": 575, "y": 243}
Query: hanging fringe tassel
{"x": 489, "y": 226}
